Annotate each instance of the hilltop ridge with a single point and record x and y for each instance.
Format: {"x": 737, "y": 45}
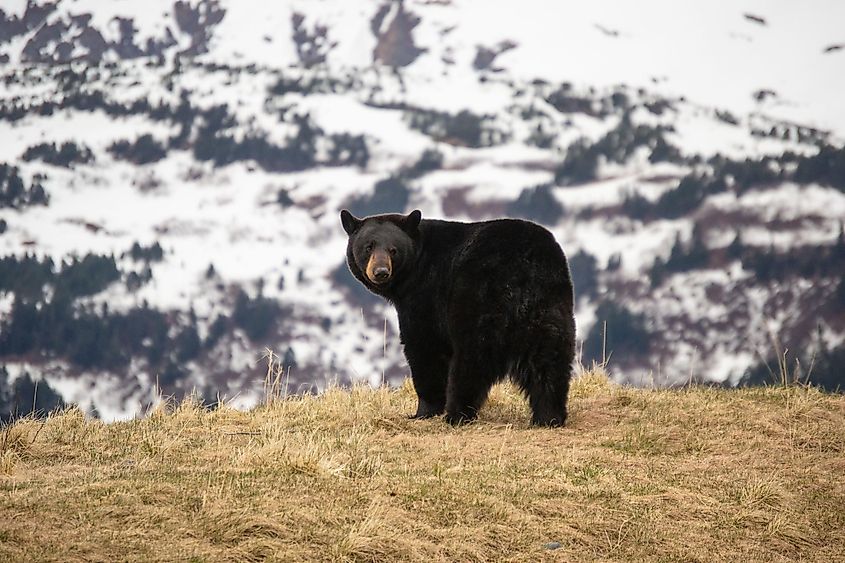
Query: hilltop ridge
{"x": 692, "y": 474}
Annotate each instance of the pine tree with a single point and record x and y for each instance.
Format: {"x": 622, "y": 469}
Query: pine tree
{"x": 736, "y": 248}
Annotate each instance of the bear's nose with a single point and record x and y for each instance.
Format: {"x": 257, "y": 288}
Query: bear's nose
{"x": 381, "y": 274}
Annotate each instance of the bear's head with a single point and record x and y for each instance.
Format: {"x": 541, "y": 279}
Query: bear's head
{"x": 380, "y": 247}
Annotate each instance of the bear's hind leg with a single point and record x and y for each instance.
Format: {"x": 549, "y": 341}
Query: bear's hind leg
{"x": 548, "y": 401}
{"x": 544, "y": 377}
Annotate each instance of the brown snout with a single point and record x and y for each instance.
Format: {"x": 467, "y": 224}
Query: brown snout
{"x": 379, "y": 267}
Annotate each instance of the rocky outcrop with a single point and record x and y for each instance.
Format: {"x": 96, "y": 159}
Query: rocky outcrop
{"x": 393, "y": 27}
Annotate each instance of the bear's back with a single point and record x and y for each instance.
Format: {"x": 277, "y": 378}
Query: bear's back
{"x": 499, "y": 239}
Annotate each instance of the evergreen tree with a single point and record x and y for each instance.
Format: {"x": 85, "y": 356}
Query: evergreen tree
{"x": 537, "y": 204}
{"x": 584, "y": 271}
{"x": 27, "y": 396}
{"x": 736, "y": 249}
{"x": 839, "y": 248}
{"x": 390, "y": 195}
{"x": 614, "y": 262}
{"x": 626, "y": 333}
{"x": 657, "y": 272}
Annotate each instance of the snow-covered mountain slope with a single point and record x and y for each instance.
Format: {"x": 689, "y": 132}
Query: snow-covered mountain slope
{"x": 187, "y": 162}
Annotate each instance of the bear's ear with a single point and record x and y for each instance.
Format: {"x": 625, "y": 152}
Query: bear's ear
{"x": 349, "y": 221}
{"x": 412, "y": 222}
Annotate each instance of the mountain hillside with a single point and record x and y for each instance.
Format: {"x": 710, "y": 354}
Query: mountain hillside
{"x": 171, "y": 175}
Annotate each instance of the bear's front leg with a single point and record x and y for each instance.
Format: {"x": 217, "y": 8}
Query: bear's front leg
{"x": 470, "y": 380}
{"x": 429, "y": 372}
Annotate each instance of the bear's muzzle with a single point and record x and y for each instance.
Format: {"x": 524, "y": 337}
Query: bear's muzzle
{"x": 379, "y": 267}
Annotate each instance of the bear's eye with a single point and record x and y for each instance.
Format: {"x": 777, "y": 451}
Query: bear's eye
{"x": 369, "y": 247}
{"x": 392, "y": 251}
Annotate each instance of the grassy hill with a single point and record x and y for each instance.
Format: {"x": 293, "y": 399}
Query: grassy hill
{"x": 697, "y": 474}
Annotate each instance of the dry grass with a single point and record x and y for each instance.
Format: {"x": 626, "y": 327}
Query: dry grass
{"x": 696, "y": 474}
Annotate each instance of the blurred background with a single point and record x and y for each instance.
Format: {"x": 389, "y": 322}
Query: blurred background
{"x": 171, "y": 175}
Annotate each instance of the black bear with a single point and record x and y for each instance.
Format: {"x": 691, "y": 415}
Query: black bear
{"x": 476, "y": 302}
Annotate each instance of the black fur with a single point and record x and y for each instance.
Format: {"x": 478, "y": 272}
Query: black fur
{"x": 476, "y": 302}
